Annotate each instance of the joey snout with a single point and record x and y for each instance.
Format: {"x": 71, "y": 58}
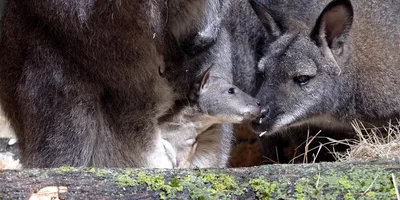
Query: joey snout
{"x": 252, "y": 111}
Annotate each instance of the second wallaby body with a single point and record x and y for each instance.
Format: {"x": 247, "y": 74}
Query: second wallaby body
{"x": 341, "y": 66}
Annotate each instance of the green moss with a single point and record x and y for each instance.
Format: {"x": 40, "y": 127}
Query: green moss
{"x": 263, "y": 189}
{"x": 348, "y": 196}
{"x": 221, "y": 183}
{"x": 153, "y": 182}
{"x": 353, "y": 183}
{"x": 92, "y": 170}
{"x": 343, "y": 181}
{"x": 357, "y": 183}
{"x": 299, "y": 191}
{"x": 89, "y": 169}
{"x": 370, "y": 194}
{"x": 208, "y": 185}
{"x": 65, "y": 168}
{"x": 392, "y": 192}
{"x": 100, "y": 172}
{"x": 125, "y": 180}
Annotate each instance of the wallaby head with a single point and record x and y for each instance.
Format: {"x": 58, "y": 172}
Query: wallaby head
{"x": 222, "y": 100}
{"x": 302, "y": 71}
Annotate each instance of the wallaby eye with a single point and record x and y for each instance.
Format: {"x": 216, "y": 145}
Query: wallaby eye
{"x": 302, "y": 80}
{"x": 231, "y": 91}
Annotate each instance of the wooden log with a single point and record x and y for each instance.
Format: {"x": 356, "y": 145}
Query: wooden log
{"x": 368, "y": 180}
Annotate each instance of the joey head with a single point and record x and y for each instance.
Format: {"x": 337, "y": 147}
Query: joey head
{"x": 218, "y": 97}
{"x": 190, "y": 139}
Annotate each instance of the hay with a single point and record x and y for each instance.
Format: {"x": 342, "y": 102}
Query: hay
{"x": 372, "y": 143}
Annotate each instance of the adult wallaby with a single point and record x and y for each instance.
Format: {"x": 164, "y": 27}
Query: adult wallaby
{"x": 191, "y": 139}
{"x": 342, "y": 67}
{"x": 80, "y": 80}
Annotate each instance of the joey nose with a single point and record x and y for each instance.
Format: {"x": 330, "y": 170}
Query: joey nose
{"x": 253, "y": 111}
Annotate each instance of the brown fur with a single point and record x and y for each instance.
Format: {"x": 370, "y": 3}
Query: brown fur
{"x": 80, "y": 79}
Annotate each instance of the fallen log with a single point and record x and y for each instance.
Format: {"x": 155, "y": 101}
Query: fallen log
{"x": 368, "y": 180}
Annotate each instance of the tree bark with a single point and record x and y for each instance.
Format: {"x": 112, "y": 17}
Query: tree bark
{"x": 367, "y": 180}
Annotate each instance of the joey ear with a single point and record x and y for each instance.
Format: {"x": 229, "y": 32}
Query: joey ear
{"x": 205, "y": 80}
{"x": 333, "y": 25}
{"x": 266, "y": 19}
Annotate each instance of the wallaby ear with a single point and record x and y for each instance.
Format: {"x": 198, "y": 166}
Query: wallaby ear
{"x": 266, "y": 19}
{"x": 200, "y": 84}
{"x": 205, "y": 80}
{"x": 333, "y": 25}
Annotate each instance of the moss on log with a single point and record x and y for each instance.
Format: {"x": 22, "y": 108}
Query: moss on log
{"x": 306, "y": 181}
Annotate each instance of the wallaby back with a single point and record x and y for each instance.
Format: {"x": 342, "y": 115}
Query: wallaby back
{"x": 336, "y": 64}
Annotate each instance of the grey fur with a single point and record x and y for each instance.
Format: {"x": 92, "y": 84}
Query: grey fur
{"x": 348, "y": 51}
{"x": 195, "y": 135}
{"x": 196, "y": 140}
{"x": 80, "y": 79}
{"x": 247, "y": 35}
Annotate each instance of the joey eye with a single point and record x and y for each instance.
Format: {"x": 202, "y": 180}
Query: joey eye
{"x": 231, "y": 91}
{"x": 302, "y": 80}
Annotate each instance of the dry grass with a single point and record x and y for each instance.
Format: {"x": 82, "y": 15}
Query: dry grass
{"x": 372, "y": 143}
{"x": 321, "y": 146}
{"x": 369, "y": 144}
{"x": 313, "y": 148}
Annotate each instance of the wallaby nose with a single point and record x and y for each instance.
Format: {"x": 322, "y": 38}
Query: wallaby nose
{"x": 263, "y": 114}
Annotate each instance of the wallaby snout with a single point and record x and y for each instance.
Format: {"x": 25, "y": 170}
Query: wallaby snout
{"x": 262, "y": 118}
{"x": 252, "y": 111}
{"x": 247, "y": 107}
